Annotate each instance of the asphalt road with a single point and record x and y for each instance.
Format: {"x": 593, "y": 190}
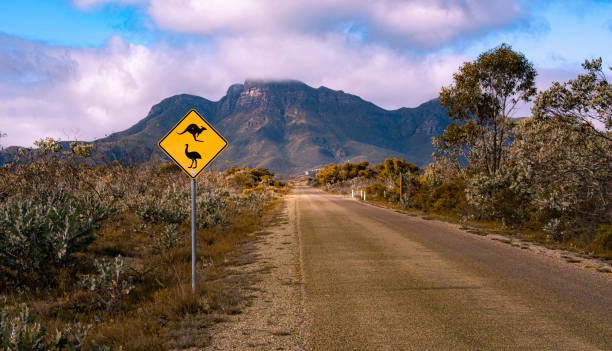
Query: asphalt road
{"x": 375, "y": 279}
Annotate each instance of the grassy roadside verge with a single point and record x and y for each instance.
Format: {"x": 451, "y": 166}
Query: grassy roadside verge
{"x": 122, "y": 234}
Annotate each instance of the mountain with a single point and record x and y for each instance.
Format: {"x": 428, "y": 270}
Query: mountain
{"x": 288, "y": 127}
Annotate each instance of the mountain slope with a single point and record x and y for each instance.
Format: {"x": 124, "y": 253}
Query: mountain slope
{"x": 289, "y": 127}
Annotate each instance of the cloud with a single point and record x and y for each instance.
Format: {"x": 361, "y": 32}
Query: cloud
{"x": 425, "y": 23}
{"x": 22, "y": 63}
{"x": 90, "y": 92}
{"x": 66, "y": 92}
{"x": 374, "y": 72}
{"x": 384, "y": 51}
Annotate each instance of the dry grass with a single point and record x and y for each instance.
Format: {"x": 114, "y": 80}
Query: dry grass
{"x": 161, "y": 312}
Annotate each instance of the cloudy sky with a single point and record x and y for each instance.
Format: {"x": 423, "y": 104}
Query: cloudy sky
{"x": 86, "y": 68}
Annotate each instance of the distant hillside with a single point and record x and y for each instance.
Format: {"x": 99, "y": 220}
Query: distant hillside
{"x": 288, "y": 127}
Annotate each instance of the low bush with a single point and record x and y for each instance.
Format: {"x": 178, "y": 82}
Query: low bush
{"x": 19, "y": 330}
{"x": 171, "y": 206}
{"x": 333, "y": 173}
{"x": 554, "y": 228}
{"x": 376, "y": 191}
{"x": 110, "y": 283}
{"x": 168, "y": 239}
{"x": 60, "y": 241}
{"x": 448, "y": 197}
{"x": 39, "y": 233}
{"x": 249, "y": 177}
{"x": 603, "y": 240}
{"x": 211, "y": 208}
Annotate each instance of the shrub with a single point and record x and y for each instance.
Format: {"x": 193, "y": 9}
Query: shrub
{"x": 248, "y": 177}
{"x": 420, "y": 199}
{"x": 251, "y": 202}
{"x": 19, "y": 330}
{"x": 603, "y": 240}
{"x": 110, "y": 283}
{"x": 392, "y": 168}
{"x": 334, "y": 173}
{"x": 211, "y": 208}
{"x": 448, "y": 197}
{"x": 376, "y": 190}
{"x": 171, "y": 207}
{"x": 511, "y": 207}
{"x": 168, "y": 239}
{"x": 38, "y": 234}
{"x": 328, "y": 175}
{"x": 554, "y": 228}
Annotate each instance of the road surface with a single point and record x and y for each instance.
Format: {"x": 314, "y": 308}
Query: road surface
{"x": 374, "y": 279}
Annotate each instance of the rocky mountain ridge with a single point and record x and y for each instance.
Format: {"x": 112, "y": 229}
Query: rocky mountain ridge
{"x": 288, "y": 127}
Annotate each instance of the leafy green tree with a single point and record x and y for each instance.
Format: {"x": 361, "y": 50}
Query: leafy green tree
{"x": 563, "y": 172}
{"x": 48, "y": 146}
{"x": 392, "y": 168}
{"x": 484, "y": 95}
{"x": 334, "y": 173}
{"x": 354, "y": 170}
{"x": 329, "y": 174}
{"x": 581, "y": 101}
{"x": 563, "y": 162}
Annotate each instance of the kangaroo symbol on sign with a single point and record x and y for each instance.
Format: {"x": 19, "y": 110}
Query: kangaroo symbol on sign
{"x": 194, "y": 130}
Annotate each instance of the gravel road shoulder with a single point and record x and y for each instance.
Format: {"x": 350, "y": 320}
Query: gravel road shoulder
{"x": 272, "y": 320}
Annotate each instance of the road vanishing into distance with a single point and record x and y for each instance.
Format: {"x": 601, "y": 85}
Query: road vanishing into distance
{"x": 375, "y": 279}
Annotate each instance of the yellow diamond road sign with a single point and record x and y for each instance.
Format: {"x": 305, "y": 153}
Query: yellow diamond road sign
{"x": 193, "y": 143}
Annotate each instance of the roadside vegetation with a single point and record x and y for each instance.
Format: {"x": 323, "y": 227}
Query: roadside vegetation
{"x": 99, "y": 258}
{"x": 547, "y": 177}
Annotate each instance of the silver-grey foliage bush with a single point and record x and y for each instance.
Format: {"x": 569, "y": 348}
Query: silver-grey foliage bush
{"x": 19, "y": 330}
{"x": 212, "y": 208}
{"x": 110, "y": 283}
{"x": 168, "y": 239}
{"x": 39, "y": 233}
{"x": 170, "y": 206}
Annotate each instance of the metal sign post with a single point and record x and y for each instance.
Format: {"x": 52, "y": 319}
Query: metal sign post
{"x": 190, "y": 140}
{"x": 193, "y": 235}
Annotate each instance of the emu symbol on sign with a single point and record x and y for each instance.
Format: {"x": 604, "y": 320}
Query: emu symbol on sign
{"x": 193, "y": 156}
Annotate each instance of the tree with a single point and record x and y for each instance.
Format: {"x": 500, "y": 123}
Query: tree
{"x": 334, "y": 173}
{"x": 564, "y": 173}
{"x": 329, "y": 174}
{"x": 392, "y": 168}
{"x": 563, "y": 160}
{"x": 484, "y": 95}
{"x": 354, "y": 170}
{"x": 581, "y": 101}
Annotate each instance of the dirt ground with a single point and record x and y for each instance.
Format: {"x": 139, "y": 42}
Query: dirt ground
{"x": 272, "y": 320}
